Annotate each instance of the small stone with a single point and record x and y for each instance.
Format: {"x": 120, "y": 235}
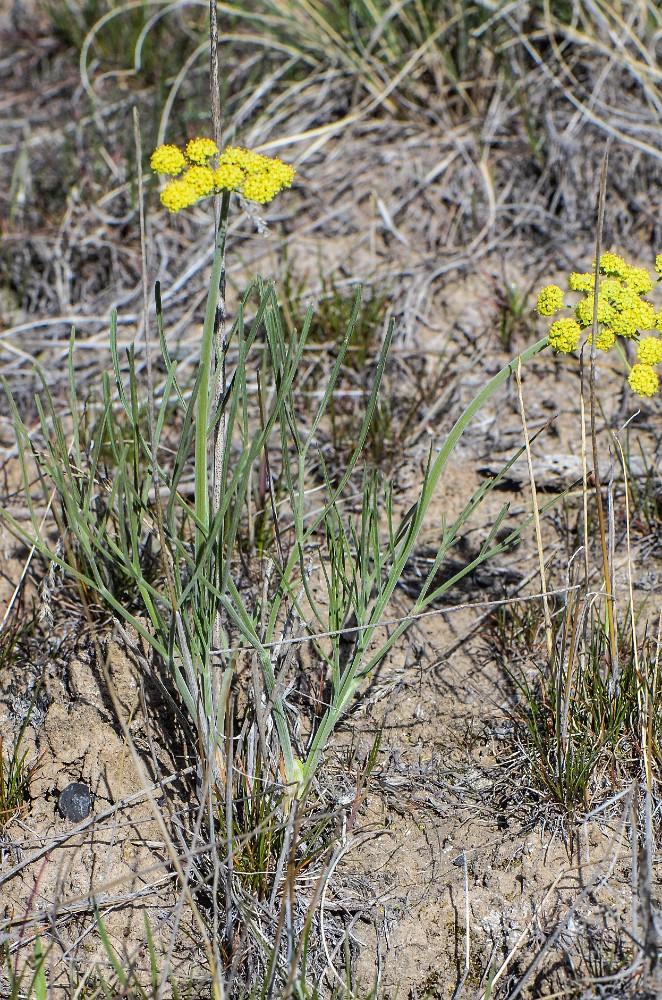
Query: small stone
{"x": 75, "y": 802}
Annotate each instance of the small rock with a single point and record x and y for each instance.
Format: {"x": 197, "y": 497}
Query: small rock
{"x": 557, "y": 472}
{"x": 75, "y": 802}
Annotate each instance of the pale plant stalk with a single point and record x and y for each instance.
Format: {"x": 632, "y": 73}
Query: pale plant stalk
{"x": 584, "y": 448}
{"x": 593, "y": 417}
{"x": 652, "y": 696}
{"x": 205, "y": 512}
{"x": 222, "y": 683}
{"x": 642, "y": 688}
{"x": 536, "y": 514}
{"x": 143, "y": 264}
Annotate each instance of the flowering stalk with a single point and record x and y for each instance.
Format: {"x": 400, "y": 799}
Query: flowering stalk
{"x": 204, "y": 389}
{"x": 258, "y": 179}
{"x": 615, "y": 310}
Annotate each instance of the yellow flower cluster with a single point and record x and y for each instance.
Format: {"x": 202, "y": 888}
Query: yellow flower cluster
{"x": 649, "y": 351}
{"x": 584, "y": 310}
{"x": 621, "y": 311}
{"x": 262, "y": 177}
{"x": 550, "y": 300}
{"x": 168, "y": 160}
{"x": 564, "y": 335}
{"x": 644, "y": 380}
{"x": 177, "y": 195}
{"x": 605, "y": 339}
{"x": 200, "y": 151}
{"x": 258, "y": 178}
{"x": 580, "y": 282}
{"x": 612, "y": 263}
{"x": 228, "y": 177}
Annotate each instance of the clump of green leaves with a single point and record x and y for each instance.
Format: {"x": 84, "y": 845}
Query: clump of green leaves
{"x": 335, "y": 306}
{"x": 16, "y": 773}
{"x": 104, "y": 491}
{"x": 402, "y": 400}
{"x": 584, "y": 713}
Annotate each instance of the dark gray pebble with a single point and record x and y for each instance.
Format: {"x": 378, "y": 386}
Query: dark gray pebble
{"x": 75, "y": 802}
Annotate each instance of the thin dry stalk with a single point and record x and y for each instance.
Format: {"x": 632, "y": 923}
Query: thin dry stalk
{"x": 137, "y": 138}
{"x": 606, "y": 566}
{"x": 549, "y": 633}
{"x": 584, "y": 452}
{"x": 220, "y": 333}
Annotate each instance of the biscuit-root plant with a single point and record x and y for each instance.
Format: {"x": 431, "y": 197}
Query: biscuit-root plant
{"x": 592, "y": 708}
{"x": 327, "y": 576}
{"x": 612, "y": 313}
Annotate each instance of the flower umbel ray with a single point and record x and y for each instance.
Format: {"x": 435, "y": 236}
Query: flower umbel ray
{"x": 256, "y": 177}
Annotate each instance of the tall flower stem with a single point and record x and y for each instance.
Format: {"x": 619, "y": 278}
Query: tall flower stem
{"x": 606, "y": 563}
{"x": 207, "y": 366}
{"x": 214, "y": 694}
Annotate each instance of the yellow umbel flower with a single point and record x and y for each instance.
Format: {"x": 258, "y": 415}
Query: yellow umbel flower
{"x": 584, "y": 311}
{"x": 632, "y": 314}
{"x": 624, "y": 324}
{"x": 550, "y": 300}
{"x": 611, "y": 288}
{"x": 645, "y": 315}
{"x": 177, "y": 195}
{"x": 649, "y": 351}
{"x": 643, "y": 380}
{"x": 265, "y": 176}
{"x": 201, "y": 179}
{"x": 606, "y": 339}
{"x": 564, "y": 335}
{"x": 638, "y": 279}
{"x": 228, "y": 177}
{"x": 249, "y": 161}
{"x": 623, "y": 298}
{"x": 283, "y": 173}
{"x": 621, "y": 310}
{"x": 200, "y": 151}
{"x": 258, "y": 178}
{"x": 581, "y": 282}
{"x": 167, "y": 160}
{"x": 613, "y": 264}
{"x": 261, "y": 187}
